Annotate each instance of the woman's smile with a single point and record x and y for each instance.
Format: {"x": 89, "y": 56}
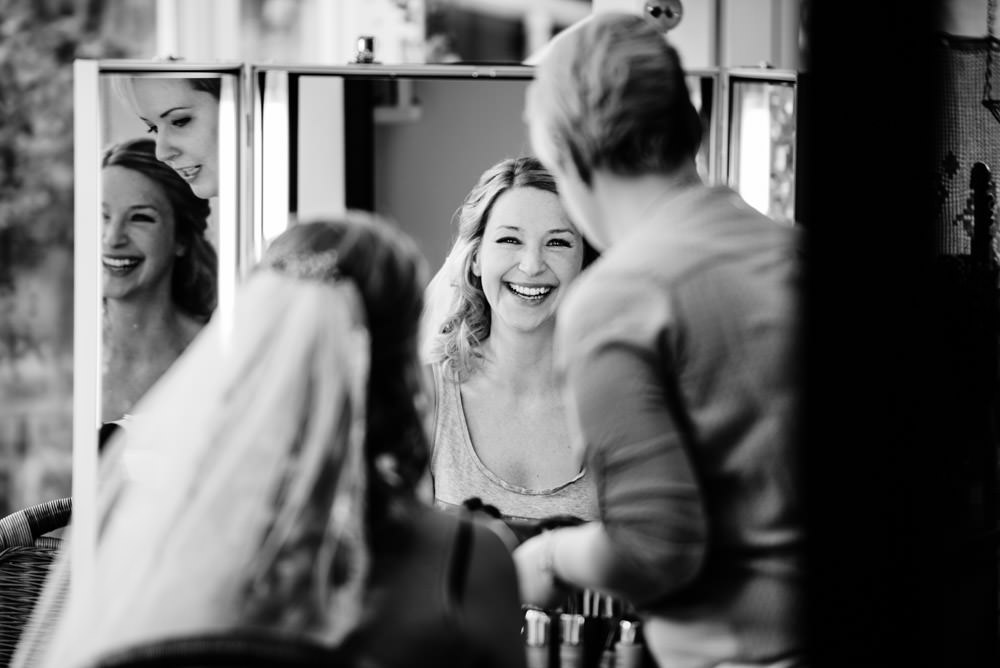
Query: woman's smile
{"x": 188, "y": 173}
{"x": 533, "y": 294}
{"x": 119, "y": 265}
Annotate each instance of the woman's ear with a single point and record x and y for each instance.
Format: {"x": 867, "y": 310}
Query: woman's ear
{"x": 476, "y": 271}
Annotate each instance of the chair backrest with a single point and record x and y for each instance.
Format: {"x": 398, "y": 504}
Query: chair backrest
{"x": 256, "y": 649}
{"x": 26, "y": 554}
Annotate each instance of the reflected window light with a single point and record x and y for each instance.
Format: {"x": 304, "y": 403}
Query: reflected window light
{"x": 755, "y": 151}
{"x": 274, "y": 158}
{"x": 761, "y": 148}
{"x": 228, "y": 199}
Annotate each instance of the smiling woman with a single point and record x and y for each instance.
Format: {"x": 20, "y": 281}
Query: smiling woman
{"x": 183, "y": 116}
{"x": 491, "y": 356}
{"x": 159, "y": 271}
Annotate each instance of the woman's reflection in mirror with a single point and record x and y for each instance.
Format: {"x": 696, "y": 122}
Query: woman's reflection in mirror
{"x": 158, "y": 271}
{"x": 500, "y": 430}
{"x": 183, "y": 116}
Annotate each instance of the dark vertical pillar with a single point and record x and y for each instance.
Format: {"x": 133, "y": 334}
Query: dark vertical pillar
{"x": 881, "y": 482}
{"x": 293, "y": 144}
{"x": 359, "y": 143}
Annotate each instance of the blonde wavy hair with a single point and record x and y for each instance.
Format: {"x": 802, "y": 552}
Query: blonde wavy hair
{"x": 455, "y": 343}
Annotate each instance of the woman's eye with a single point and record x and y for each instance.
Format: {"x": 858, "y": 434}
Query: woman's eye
{"x": 143, "y": 218}
{"x": 508, "y": 240}
{"x": 180, "y": 121}
{"x": 560, "y": 242}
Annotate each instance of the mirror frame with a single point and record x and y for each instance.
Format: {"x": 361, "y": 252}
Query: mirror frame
{"x": 275, "y": 170}
{"x": 241, "y": 227}
{"x": 233, "y": 201}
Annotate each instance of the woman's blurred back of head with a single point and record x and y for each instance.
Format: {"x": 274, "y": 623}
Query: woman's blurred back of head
{"x": 390, "y": 273}
{"x": 249, "y": 489}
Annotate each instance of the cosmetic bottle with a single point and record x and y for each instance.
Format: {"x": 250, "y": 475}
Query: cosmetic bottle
{"x": 536, "y": 638}
{"x": 628, "y": 649}
{"x": 600, "y": 629}
{"x": 570, "y": 640}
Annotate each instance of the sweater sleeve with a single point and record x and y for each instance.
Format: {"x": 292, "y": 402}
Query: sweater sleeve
{"x": 616, "y": 353}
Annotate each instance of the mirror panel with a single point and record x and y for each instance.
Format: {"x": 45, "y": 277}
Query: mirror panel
{"x": 407, "y": 143}
{"x": 130, "y": 320}
{"x": 761, "y": 150}
{"x": 165, "y": 193}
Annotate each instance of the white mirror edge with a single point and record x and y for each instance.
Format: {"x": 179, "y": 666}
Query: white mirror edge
{"x": 86, "y": 318}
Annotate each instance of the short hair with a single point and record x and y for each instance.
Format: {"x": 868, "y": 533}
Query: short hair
{"x": 194, "y": 284}
{"x": 390, "y": 272}
{"x": 612, "y": 96}
{"x": 468, "y": 324}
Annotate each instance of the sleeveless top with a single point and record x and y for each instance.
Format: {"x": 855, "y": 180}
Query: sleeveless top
{"x": 459, "y": 474}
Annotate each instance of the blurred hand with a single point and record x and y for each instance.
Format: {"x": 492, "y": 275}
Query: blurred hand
{"x": 535, "y": 577}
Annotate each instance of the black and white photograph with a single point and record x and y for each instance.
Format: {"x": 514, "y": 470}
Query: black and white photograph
{"x": 499, "y": 333}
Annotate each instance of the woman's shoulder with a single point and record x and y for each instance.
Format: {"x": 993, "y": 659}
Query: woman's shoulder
{"x": 431, "y": 379}
{"x": 441, "y": 385}
{"x": 441, "y": 372}
{"x": 190, "y": 327}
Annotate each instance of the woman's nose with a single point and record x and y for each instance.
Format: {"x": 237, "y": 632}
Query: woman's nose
{"x": 531, "y": 262}
{"x": 165, "y": 149}
{"x": 113, "y": 233}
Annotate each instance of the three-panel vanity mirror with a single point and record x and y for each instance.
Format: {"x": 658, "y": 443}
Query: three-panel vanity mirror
{"x": 264, "y": 147}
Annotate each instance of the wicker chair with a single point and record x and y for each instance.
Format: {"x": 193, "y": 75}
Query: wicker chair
{"x": 25, "y": 556}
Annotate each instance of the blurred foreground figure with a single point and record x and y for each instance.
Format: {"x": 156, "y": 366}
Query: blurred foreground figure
{"x": 270, "y": 482}
{"x": 679, "y": 348}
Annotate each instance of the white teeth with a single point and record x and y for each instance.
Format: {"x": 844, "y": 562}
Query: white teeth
{"x": 188, "y": 172}
{"x": 533, "y": 291}
{"x": 120, "y": 262}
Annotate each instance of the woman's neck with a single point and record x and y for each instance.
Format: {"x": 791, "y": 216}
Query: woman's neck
{"x": 519, "y": 362}
{"x": 142, "y": 324}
